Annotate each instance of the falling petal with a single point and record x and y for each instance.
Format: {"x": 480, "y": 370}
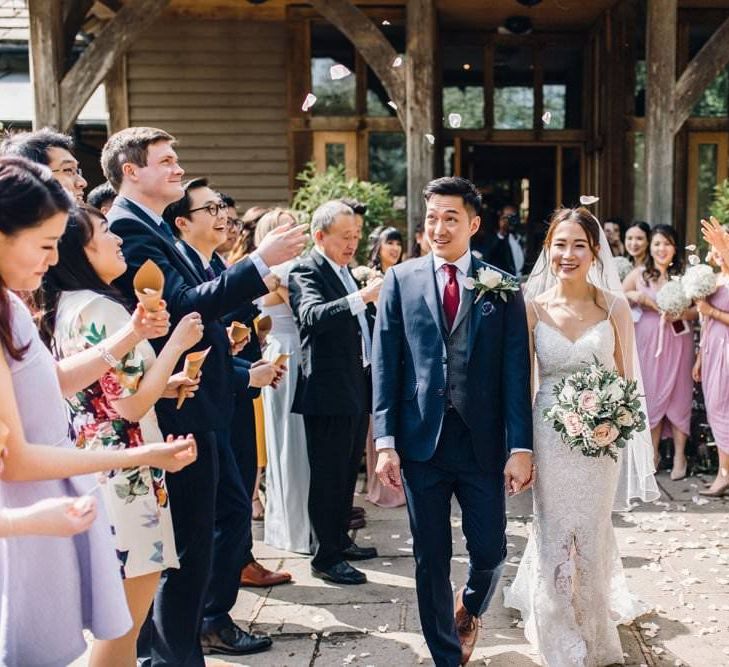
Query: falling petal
{"x": 397, "y": 62}
{"x": 694, "y": 260}
{"x": 385, "y": 22}
{"x": 454, "y": 119}
{"x": 383, "y": 628}
{"x": 547, "y": 117}
{"x": 339, "y": 72}
{"x": 309, "y": 102}
{"x": 691, "y": 248}
{"x": 430, "y": 138}
{"x": 588, "y": 200}
{"x": 392, "y": 105}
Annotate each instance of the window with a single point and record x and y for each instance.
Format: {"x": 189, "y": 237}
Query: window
{"x": 377, "y": 98}
{"x": 388, "y": 161}
{"x": 513, "y": 88}
{"x": 562, "y": 89}
{"x": 715, "y": 100}
{"x": 463, "y": 95}
{"x": 334, "y": 97}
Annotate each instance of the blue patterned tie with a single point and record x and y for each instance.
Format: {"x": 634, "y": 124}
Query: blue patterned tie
{"x": 364, "y": 328}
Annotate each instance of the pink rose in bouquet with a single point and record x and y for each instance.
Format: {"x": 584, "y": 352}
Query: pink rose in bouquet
{"x": 572, "y": 423}
{"x": 588, "y": 401}
{"x": 605, "y": 434}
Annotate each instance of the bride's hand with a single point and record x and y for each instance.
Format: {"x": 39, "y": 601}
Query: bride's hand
{"x": 519, "y": 473}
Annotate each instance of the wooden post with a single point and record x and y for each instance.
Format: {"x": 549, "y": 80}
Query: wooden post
{"x": 117, "y": 98}
{"x": 661, "y": 67}
{"x": 46, "y": 61}
{"x": 420, "y": 114}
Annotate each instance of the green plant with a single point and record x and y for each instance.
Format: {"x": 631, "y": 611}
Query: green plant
{"x": 319, "y": 187}
{"x": 720, "y": 202}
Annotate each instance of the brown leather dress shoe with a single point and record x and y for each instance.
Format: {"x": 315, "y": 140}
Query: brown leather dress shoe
{"x": 257, "y": 576}
{"x": 466, "y": 627}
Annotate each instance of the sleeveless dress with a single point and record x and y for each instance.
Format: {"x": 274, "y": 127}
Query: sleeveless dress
{"x": 136, "y": 499}
{"x": 667, "y": 379}
{"x": 715, "y": 370}
{"x": 52, "y": 588}
{"x": 570, "y": 587}
{"x": 287, "y": 523}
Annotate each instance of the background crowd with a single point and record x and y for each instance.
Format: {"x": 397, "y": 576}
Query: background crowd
{"x": 276, "y": 425}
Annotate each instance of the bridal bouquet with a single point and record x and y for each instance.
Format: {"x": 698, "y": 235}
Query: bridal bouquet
{"x": 597, "y": 411}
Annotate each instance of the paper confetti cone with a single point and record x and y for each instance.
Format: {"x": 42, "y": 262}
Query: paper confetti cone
{"x": 149, "y": 281}
{"x": 193, "y": 364}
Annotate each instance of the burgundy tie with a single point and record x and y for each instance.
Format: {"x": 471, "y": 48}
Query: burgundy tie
{"x": 451, "y": 295}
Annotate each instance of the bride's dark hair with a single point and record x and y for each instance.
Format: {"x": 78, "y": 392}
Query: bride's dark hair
{"x": 584, "y": 219}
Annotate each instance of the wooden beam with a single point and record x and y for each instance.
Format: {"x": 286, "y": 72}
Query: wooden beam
{"x": 99, "y": 57}
{"x": 369, "y": 40}
{"x": 705, "y": 66}
{"x": 74, "y": 13}
{"x": 420, "y": 109}
{"x": 659, "y": 137}
{"x": 117, "y": 96}
{"x": 46, "y": 61}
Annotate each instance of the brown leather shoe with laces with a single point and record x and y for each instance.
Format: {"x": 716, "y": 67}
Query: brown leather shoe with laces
{"x": 254, "y": 574}
{"x": 466, "y": 627}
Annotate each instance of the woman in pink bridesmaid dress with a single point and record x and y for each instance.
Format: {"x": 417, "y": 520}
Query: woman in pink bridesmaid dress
{"x": 712, "y": 370}
{"x": 667, "y": 377}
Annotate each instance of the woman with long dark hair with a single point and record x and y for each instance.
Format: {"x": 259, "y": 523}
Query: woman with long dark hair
{"x": 385, "y": 248}
{"x": 667, "y": 379}
{"x": 81, "y": 574}
{"x": 637, "y": 242}
{"x": 81, "y": 309}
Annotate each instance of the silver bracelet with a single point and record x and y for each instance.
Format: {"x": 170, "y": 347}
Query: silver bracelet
{"x": 108, "y": 357}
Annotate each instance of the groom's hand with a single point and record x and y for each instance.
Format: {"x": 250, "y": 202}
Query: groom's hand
{"x": 388, "y": 468}
{"x": 518, "y": 473}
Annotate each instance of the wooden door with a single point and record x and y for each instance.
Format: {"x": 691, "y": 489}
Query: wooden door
{"x": 708, "y": 165}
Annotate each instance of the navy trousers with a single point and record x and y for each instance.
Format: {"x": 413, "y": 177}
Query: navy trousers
{"x": 429, "y": 487}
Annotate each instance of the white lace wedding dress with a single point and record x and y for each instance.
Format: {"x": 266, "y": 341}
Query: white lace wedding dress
{"x": 570, "y": 586}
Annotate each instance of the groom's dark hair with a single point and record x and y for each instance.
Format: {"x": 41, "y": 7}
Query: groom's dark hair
{"x": 457, "y": 187}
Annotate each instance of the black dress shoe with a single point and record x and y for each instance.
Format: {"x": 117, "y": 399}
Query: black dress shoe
{"x": 356, "y": 523}
{"x": 353, "y": 552}
{"x": 358, "y": 511}
{"x": 232, "y": 640}
{"x": 341, "y": 573}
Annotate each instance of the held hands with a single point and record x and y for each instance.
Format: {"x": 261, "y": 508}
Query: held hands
{"x": 388, "y": 468}
{"x": 188, "y": 332}
{"x": 519, "y": 473}
{"x": 189, "y": 386}
{"x": 704, "y": 308}
{"x": 371, "y": 292}
{"x": 283, "y": 243}
{"x": 148, "y": 324}
{"x": 265, "y": 373}
{"x": 172, "y": 455}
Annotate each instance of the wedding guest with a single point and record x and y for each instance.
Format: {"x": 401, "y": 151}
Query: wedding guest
{"x": 385, "y": 252}
{"x": 234, "y": 228}
{"x": 419, "y": 247}
{"x": 334, "y": 319}
{"x": 666, "y": 379}
{"x": 102, "y": 197}
{"x": 287, "y": 523}
{"x": 712, "y": 370}
{"x": 142, "y": 165}
{"x": 81, "y": 309}
{"x": 614, "y": 233}
{"x": 245, "y": 244}
{"x": 89, "y": 594}
{"x": 508, "y": 226}
{"x": 637, "y": 241}
{"x": 360, "y": 211}
{"x": 53, "y": 149}
{"x": 198, "y": 219}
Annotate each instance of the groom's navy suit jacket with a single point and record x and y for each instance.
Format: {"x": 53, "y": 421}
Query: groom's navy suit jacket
{"x": 409, "y": 371}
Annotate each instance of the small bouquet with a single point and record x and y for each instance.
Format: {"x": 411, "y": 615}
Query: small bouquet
{"x": 699, "y": 282}
{"x": 597, "y": 411}
{"x": 672, "y": 300}
{"x": 623, "y": 265}
{"x": 364, "y": 274}
{"x": 488, "y": 280}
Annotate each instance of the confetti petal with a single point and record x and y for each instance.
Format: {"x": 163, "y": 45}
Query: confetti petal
{"x": 547, "y": 117}
{"x": 588, "y": 200}
{"x": 392, "y": 105}
{"x": 309, "y": 102}
{"x": 397, "y": 62}
{"x": 430, "y": 138}
{"x": 339, "y": 72}
{"x": 385, "y": 22}
{"x": 454, "y": 119}
{"x": 691, "y": 248}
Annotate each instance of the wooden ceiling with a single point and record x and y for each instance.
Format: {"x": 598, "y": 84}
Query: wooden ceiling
{"x": 482, "y": 14}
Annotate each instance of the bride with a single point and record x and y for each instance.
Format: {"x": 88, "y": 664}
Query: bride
{"x": 570, "y": 586}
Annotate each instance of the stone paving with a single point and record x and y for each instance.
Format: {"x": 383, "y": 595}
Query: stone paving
{"x": 674, "y": 552}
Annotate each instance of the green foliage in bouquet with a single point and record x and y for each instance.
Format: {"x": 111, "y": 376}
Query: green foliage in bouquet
{"x": 596, "y": 410}
{"x": 318, "y": 187}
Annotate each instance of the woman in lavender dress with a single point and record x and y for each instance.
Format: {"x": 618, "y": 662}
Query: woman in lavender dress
{"x": 666, "y": 378}
{"x": 712, "y": 370}
{"x": 54, "y": 588}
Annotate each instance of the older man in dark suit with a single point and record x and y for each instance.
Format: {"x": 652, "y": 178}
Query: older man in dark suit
{"x": 335, "y": 321}
{"x": 142, "y": 165}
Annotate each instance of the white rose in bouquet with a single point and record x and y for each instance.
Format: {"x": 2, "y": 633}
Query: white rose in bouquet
{"x": 625, "y": 417}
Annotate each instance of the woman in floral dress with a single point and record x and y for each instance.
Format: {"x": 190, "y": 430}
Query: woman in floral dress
{"x": 81, "y": 310}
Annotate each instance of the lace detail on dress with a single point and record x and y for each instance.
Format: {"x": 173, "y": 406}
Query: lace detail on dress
{"x": 570, "y": 587}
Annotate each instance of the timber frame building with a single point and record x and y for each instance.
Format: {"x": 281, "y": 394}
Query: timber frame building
{"x": 536, "y": 101}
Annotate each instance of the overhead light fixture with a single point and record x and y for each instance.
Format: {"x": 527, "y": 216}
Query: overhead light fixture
{"x": 529, "y": 3}
{"x": 518, "y": 25}
{"x": 466, "y": 66}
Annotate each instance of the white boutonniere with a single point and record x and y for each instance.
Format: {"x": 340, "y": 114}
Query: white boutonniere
{"x": 488, "y": 281}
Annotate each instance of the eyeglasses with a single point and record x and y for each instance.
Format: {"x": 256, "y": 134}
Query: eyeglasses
{"x": 235, "y": 223}
{"x": 71, "y": 172}
{"x": 212, "y": 208}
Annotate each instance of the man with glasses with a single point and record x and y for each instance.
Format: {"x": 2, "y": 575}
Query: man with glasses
{"x": 52, "y": 149}
{"x": 233, "y": 229}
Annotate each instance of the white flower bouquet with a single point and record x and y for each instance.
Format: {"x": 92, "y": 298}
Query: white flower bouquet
{"x": 699, "y": 282}
{"x": 672, "y": 300}
{"x": 490, "y": 281}
{"x": 596, "y": 411}
{"x": 623, "y": 265}
{"x": 364, "y": 274}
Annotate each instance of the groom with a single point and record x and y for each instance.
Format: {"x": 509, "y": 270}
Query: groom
{"x": 452, "y": 413}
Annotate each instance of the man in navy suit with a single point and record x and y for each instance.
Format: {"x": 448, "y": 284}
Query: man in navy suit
{"x": 141, "y": 164}
{"x": 452, "y": 413}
